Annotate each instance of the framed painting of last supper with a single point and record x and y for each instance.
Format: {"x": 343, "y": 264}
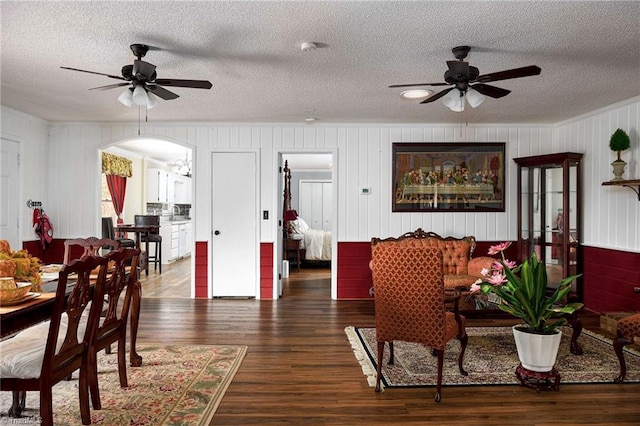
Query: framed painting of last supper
{"x": 451, "y": 177}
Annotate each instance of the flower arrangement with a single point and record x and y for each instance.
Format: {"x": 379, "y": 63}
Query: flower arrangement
{"x": 523, "y": 291}
{"x": 19, "y": 265}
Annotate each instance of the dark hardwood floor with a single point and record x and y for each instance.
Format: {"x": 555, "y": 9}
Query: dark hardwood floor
{"x": 300, "y": 368}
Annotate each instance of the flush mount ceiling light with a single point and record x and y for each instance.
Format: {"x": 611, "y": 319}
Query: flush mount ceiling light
{"x": 413, "y": 94}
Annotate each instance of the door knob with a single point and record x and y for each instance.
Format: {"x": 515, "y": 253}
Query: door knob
{"x": 216, "y": 232}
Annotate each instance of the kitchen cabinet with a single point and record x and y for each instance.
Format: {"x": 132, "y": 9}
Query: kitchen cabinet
{"x": 176, "y": 240}
{"x": 182, "y": 189}
{"x": 550, "y": 214}
{"x": 160, "y": 186}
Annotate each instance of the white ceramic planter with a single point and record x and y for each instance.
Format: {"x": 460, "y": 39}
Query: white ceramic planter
{"x": 537, "y": 352}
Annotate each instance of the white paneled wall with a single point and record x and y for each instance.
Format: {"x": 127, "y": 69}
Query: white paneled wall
{"x": 611, "y": 214}
{"x": 32, "y": 135}
{"x": 363, "y": 159}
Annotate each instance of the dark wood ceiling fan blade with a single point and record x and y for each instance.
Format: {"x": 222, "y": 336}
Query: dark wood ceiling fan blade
{"x": 117, "y": 77}
{"x": 162, "y": 92}
{"x": 459, "y": 68}
{"x": 491, "y": 91}
{"x": 437, "y": 96}
{"x": 110, "y": 86}
{"x": 418, "y": 84}
{"x": 194, "y": 84}
{"x": 508, "y": 74}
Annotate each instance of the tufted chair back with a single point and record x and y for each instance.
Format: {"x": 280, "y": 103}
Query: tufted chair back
{"x": 408, "y": 282}
{"x": 456, "y": 252}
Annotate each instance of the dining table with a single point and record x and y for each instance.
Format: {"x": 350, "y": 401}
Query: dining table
{"x": 139, "y": 230}
{"x": 38, "y": 307}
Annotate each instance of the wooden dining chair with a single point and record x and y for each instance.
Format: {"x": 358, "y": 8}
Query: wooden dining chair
{"x": 410, "y": 304}
{"x": 90, "y": 246}
{"x": 31, "y": 363}
{"x": 113, "y": 324}
{"x": 109, "y": 232}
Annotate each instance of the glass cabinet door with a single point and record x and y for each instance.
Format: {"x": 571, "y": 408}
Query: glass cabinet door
{"x": 549, "y": 214}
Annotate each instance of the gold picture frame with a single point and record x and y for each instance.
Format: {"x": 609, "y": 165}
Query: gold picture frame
{"x": 448, "y": 177}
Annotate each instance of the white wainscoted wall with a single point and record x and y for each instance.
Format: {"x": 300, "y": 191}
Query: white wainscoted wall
{"x": 62, "y": 169}
{"x": 60, "y": 166}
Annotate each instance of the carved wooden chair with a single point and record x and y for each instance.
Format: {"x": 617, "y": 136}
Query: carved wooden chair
{"x": 90, "y": 246}
{"x": 113, "y": 324}
{"x": 32, "y": 363}
{"x": 627, "y": 330}
{"x": 410, "y": 303}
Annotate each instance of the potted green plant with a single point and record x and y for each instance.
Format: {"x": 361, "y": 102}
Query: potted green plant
{"x": 523, "y": 293}
{"x": 619, "y": 142}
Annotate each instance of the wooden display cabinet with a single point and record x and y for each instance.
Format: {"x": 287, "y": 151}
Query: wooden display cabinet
{"x": 550, "y": 215}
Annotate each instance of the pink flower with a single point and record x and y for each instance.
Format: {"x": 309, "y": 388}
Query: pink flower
{"x": 484, "y": 272}
{"x": 496, "y": 266}
{"x": 475, "y": 287}
{"x": 510, "y": 264}
{"x": 499, "y": 248}
{"x": 497, "y": 278}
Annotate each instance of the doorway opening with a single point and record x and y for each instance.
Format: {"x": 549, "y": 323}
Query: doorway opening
{"x": 162, "y": 184}
{"x": 307, "y": 247}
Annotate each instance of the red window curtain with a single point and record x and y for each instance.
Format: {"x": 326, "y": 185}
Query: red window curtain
{"x": 117, "y": 188}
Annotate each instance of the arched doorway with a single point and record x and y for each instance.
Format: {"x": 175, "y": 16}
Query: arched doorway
{"x": 162, "y": 184}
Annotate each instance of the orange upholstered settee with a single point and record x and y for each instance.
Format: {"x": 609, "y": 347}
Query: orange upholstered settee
{"x": 461, "y": 270}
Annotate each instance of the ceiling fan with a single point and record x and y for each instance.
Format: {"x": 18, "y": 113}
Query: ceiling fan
{"x": 467, "y": 83}
{"x": 143, "y": 81}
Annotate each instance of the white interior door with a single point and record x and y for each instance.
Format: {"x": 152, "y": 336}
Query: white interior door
{"x": 9, "y": 228}
{"x": 235, "y": 225}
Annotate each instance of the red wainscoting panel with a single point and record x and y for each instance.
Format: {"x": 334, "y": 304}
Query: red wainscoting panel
{"x": 266, "y": 270}
{"x": 53, "y": 254}
{"x": 202, "y": 263}
{"x": 354, "y": 275}
{"x": 609, "y": 279}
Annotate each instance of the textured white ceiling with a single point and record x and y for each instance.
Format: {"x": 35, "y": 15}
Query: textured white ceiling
{"x": 589, "y": 53}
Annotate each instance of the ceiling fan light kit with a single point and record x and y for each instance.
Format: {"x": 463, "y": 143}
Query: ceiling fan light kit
{"x": 467, "y": 85}
{"x": 144, "y": 86}
{"x": 474, "y": 97}
{"x": 454, "y": 100}
{"x": 140, "y": 96}
{"x": 126, "y": 98}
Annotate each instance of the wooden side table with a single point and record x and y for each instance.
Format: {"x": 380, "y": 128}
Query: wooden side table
{"x": 292, "y": 247}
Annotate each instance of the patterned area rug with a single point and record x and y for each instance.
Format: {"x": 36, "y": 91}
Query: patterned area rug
{"x": 176, "y": 385}
{"x": 491, "y": 358}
